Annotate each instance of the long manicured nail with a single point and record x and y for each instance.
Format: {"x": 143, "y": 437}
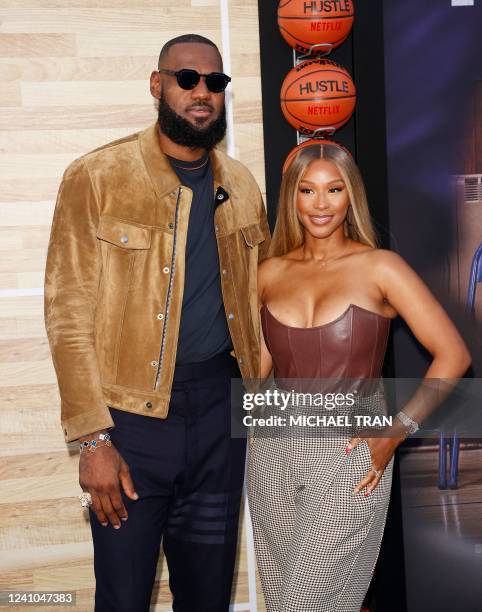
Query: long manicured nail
{"x": 104, "y": 524}
{"x": 347, "y": 449}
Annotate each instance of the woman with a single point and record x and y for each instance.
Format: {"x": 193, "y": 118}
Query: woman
{"x": 327, "y": 296}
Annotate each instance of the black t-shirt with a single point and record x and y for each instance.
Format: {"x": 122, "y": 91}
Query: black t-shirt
{"x": 203, "y": 329}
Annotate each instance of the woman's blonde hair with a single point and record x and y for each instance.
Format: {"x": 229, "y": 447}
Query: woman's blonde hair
{"x": 288, "y": 232}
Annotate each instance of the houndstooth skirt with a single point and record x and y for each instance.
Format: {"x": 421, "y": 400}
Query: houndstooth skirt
{"x": 316, "y": 541}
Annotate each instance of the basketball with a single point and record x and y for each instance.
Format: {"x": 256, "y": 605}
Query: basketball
{"x": 315, "y": 26}
{"x": 308, "y": 143}
{"x": 317, "y": 95}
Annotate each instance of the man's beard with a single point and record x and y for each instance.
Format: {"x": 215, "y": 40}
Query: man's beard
{"x": 184, "y": 133}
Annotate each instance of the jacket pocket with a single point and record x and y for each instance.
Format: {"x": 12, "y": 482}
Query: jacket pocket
{"x": 125, "y": 246}
{"x": 253, "y": 234}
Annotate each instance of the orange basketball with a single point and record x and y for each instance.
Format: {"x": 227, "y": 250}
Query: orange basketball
{"x": 308, "y": 143}
{"x": 317, "y": 95}
{"x": 315, "y": 26}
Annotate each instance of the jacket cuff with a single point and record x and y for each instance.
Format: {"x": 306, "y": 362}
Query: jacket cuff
{"x": 86, "y": 423}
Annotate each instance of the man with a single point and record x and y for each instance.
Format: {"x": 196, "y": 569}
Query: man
{"x": 150, "y": 285}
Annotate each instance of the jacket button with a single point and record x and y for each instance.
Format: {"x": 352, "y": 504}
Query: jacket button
{"x": 230, "y": 315}
{"x": 154, "y": 364}
{"x": 171, "y": 225}
{"x": 160, "y": 316}
{"x": 148, "y": 405}
{"x": 124, "y": 239}
{"x": 220, "y": 196}
{"x": 165, "y": 270}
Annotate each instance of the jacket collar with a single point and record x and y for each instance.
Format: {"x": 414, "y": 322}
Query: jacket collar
{"x": 163, "y": 177}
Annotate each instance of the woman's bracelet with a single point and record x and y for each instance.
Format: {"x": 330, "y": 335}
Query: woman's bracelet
{"x": 91, "y": 445}
{"x": 410, "y": 425}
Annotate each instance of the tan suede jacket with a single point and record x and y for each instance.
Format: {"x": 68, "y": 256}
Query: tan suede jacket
{"x": 114, "y": 278}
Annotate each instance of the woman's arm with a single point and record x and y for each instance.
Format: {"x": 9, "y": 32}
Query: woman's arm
{"x": 430, "y": 324}
{"x": 432, "y": 327}
{"x": 414, "y": 302}
{"x": 266, "y": 362}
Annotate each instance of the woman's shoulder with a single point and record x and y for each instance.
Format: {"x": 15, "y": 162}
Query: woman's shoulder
{"x": 271, "y": 265}
{"x": 381, "y": 257}
{"x": 280, "y": 262}
{"x": 381, "y": 265}
{"x": 388, "y": 267}
{"x": 273, "y": 269}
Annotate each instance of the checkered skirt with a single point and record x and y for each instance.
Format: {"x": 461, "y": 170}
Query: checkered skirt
{"x": 316, "y": 541}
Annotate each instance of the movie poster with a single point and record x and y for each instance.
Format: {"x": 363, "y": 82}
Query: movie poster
{"x": 433, "y": 73}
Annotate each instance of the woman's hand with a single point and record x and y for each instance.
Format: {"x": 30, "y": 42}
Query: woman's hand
{"x": 381, "y": 451}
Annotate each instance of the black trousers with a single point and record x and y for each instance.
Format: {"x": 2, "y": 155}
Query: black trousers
{"x": 188, "y": 472}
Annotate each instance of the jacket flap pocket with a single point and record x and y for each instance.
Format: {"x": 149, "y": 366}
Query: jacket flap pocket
{"x": 123, "y": 234}
{"x": 253, "y": 234}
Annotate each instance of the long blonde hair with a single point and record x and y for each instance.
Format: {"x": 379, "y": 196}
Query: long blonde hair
{"x": 288, "y": 232}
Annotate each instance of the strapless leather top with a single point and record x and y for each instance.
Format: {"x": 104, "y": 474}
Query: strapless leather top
{"x": 352, "y": 346}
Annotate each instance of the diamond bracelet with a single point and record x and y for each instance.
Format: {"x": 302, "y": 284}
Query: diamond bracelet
{"x": 91, "y": 445}
{"x": 410, "y": 424}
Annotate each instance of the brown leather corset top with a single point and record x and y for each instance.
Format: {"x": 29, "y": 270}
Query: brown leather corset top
{"x": 352, "y": 346}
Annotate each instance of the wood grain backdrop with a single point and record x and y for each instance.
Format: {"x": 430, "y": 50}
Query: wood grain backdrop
{"x": 74, "y": 75}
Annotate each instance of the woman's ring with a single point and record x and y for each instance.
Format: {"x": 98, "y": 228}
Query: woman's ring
{"x": 85, "y": 499}
{"x": 377, "y": 472}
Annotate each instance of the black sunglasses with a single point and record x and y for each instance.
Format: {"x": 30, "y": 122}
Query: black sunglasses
{"x": 216, "y": 82}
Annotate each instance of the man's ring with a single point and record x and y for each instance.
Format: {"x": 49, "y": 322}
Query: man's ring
{"x": 85, "y": 499}
{"x": 377, "y": 472}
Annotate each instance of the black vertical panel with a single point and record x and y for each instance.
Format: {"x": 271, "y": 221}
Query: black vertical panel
{"x": 370, "y": 134}
{"x": 365, "y": 136}
{"x": 279, "y": 136}
{"x": 388, "y": 585}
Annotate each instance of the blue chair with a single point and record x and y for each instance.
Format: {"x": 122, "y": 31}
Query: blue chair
{"x": 454, "y": 461}
{"x": 474, "y": 279}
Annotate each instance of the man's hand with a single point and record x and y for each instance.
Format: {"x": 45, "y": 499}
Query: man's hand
{"x": 100, "y": 473}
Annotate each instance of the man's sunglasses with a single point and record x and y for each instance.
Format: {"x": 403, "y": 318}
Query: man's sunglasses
{"x": 216, "y": 82}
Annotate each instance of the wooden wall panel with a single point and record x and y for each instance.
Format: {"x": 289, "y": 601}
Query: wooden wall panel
{"x": 35, "y": 45}
{"x": 74, "y": 75}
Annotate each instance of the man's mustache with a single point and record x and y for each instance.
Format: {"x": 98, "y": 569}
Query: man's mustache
{"x": 199, "y": 105}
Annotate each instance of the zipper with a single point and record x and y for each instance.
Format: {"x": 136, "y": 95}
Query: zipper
{"x": 169, "y": 291}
